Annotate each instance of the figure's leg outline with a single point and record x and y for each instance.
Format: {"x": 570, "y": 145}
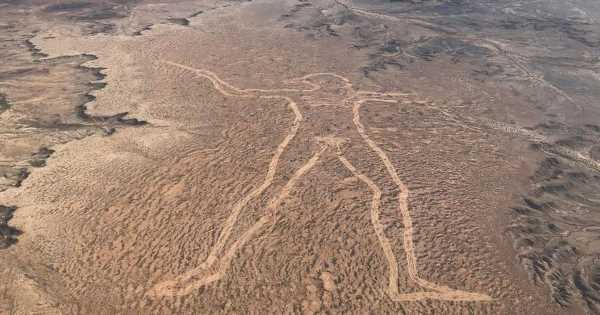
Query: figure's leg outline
{"x": 439, "y": 292}
{"x": 377, "y": 226}
{"x": 236, "y": 210}
{"x": 194, "y": 279}
{"x": 227, "y": 228}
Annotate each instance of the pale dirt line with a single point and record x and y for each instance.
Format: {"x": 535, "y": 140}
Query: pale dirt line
{"x": 348, "y": 5}
{"x": 450, "y": 295}
{"x": 272, "y": 169}
{"x": 539, "y": 79}
{"x": 219, "y": 83}
{"x": 441, "y": 292}
{"x": 236, "y": 210}
{"x": 193, "y": 280}
{"x": 546, "y": 143}
{"x": 232, "y": 219}
{"x": 370, "y": 93}
{"x": 321, "y": 74}
{"x": 285, "y": 191}
{"x": 377, "y": 226}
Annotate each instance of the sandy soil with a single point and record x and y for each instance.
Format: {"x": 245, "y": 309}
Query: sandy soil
{"x": 269, "y": 157}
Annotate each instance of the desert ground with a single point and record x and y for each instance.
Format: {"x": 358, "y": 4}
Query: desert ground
{"x": 299, "y": 157}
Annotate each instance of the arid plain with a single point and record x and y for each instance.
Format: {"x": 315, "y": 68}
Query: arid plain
{"x": 310, "y": 157}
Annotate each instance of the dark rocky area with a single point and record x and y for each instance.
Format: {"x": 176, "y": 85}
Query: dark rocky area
{"x": 24, "y": 62}
{"x": 556, "y": 229}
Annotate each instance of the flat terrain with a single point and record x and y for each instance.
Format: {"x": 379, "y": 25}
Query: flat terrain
{"x": 299, "y": 156}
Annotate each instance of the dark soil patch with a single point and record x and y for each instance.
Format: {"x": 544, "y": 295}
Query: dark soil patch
{"x": 450, "y": 46}
{"x": 8, "y": 234}
{"x": 15, "y": 175}
{"x": 39, "y": 158}
{"x": 196, "y": 14}
{"x": 4, "y": 104}
{"x": 69, "y": 6}
{"x": 145, "y": 28}
{"x": 179, "y": 21}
